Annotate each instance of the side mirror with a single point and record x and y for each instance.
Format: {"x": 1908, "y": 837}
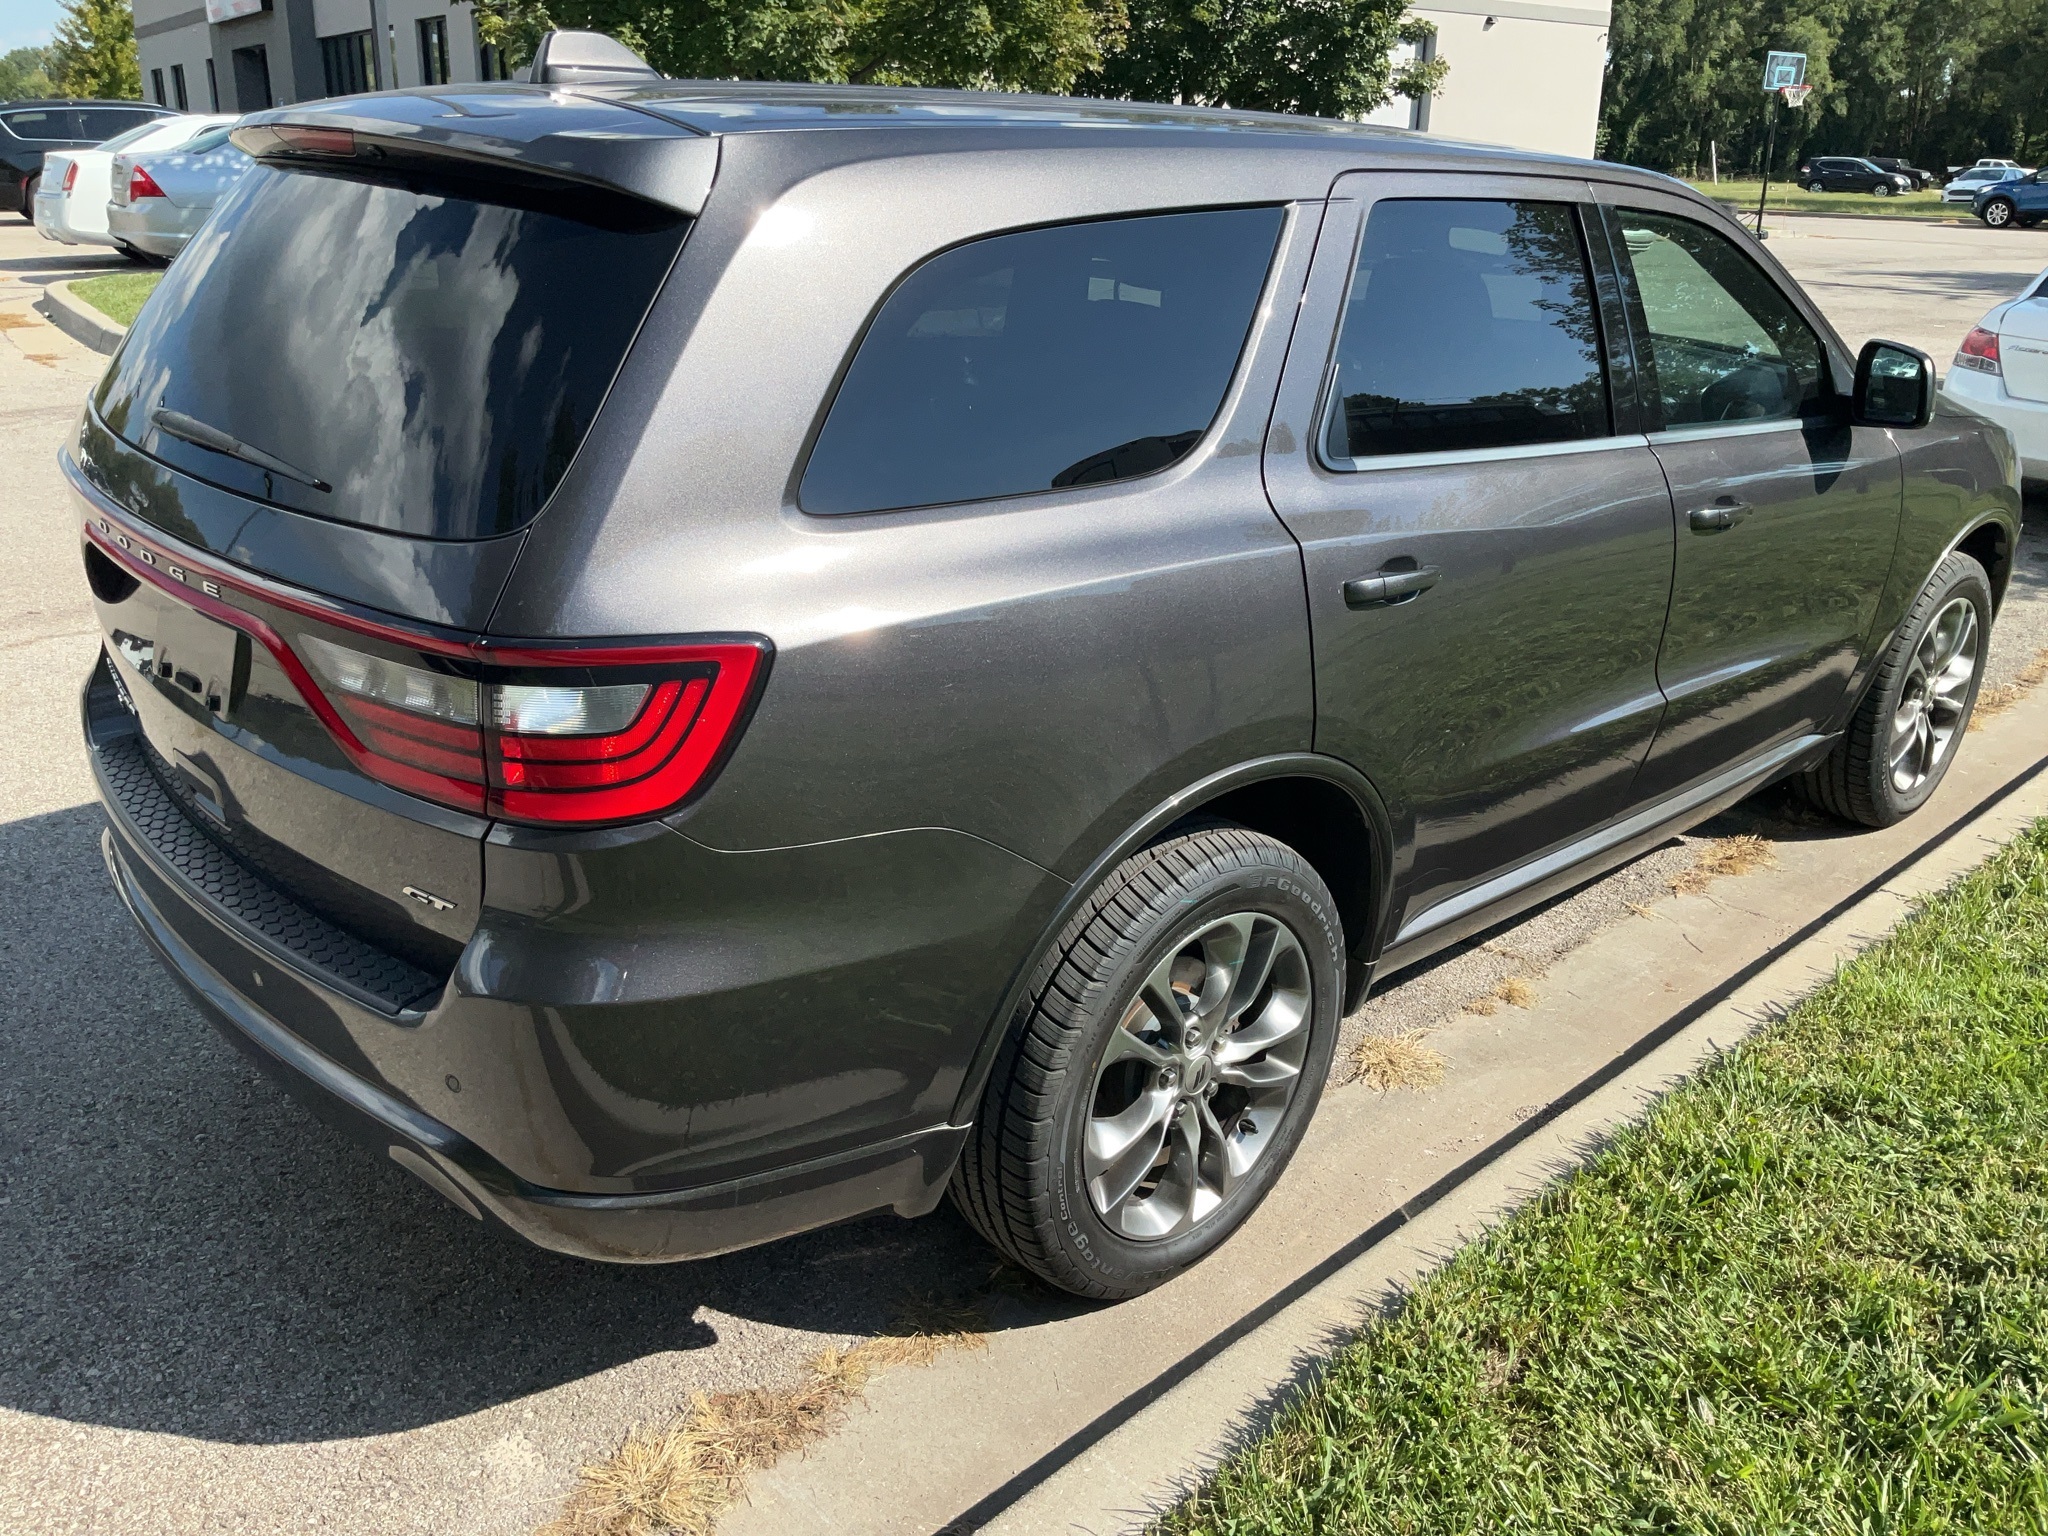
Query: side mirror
{"x": 1894, "y": 386}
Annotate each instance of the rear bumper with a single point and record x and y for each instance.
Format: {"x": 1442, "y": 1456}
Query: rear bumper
{"x": 154, "y": 231}
{"x": 2026, "y": 420}
{"x": 908, "y": 1174}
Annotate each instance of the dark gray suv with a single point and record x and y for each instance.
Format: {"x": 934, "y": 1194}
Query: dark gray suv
{"x": 694, "y": 660}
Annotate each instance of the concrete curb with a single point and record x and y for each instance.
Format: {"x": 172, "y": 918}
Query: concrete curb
{"x": 78, "y": 319}
{"x": 1152, "y": 1459}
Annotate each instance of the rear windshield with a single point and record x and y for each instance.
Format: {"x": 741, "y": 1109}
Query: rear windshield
{"x": 424, "y": 356}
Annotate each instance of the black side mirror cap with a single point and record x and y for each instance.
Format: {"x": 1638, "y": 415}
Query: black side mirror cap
{"x": 1894, "y": 386}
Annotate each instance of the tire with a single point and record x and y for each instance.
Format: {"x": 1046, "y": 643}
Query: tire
{"x": 1087, "y": 1053}
{"x": 1998, "y": 212}
{"x": 1816, "y": 186}
{"x": 28, "y": 197}
{"x": 1856, "y": 781}
{"x": 1882, "y": 189}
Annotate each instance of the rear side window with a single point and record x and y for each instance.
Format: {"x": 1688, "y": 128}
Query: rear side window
{"x": 429, "y": 354}
{"x": 1469, "y": 324}
{"x": 51, "y": 124}
{"x": 1073, "y": 355}
{"x": 1725, "y": 345}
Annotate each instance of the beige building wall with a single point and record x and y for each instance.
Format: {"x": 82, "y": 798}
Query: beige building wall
{"x": 1522, "y": 74}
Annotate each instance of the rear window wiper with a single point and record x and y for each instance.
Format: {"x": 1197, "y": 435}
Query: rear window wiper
{"x": 192, "y": 430}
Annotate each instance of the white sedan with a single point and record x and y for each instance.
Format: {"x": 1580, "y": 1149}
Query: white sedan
{"x": 2001, "y": 371}
{"x": 71, "y": 199}
{"x": 1964, "y": 188}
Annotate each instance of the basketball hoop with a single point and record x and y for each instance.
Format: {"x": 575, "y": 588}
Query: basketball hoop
{"x": 1795, "y": 95}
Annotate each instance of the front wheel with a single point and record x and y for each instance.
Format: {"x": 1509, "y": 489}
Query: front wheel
{"x": 1997, "y": 213}
{"x": 1905, "y": 733}
{"x": 1164, "y": 1066}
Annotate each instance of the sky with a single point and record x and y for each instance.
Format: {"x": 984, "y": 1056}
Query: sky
{"x": 26, "y": 23}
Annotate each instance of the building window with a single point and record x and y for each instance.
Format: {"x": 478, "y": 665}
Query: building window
{"x": 156, "y": 87}
{"x": 491, "y": 63}
{"x": 178, "y": 88}
{"x": 212, "y": 87}
{"x": 252, "y": 79}
{"x": 349, "y": 62}
{"x": 433, "y": 50}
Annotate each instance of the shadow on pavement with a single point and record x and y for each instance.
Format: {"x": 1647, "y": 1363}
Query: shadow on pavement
{"x": 190, "y": 1253}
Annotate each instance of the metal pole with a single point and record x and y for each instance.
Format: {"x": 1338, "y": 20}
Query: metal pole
{"x": 1770, "y": 144}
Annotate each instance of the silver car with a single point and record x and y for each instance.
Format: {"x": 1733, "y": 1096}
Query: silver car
{"x": 71, "y": 200}
{"x": 1964, "y": 188}
{"x": 161, "y": 198}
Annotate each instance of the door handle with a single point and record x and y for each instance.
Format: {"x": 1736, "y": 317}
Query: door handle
{"x": 1389, "y": 587}
{"x": 1718, "y": 518}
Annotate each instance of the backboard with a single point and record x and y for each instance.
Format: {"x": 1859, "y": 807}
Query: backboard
{"x": 1783, "y": 69}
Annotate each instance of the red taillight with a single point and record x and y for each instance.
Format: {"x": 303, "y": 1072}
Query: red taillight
{"x": 70, "y": 176}
{"x": 575, "y": 734}
{"x": 1979, "y": 351}
{"x": 142, "y": 184}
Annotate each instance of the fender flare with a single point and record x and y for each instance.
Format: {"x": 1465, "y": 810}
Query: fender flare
{"x": 1177, "y": 807}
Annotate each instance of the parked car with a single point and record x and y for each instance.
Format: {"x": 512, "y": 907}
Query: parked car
{"x": 161, "y": 197}
{"x": 1846, "y": 173}
{"x": 1964, "y": 188}
{"x": 957, "y": 662}
{"x": 71, "y": 202}
{"x": 31, "y": 129}
{"x": 2001, "y": 371}
{"x": 2021, "y": 201}
{"x": 1920, "y": 179}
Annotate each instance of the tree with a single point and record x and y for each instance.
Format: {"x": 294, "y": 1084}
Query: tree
{"x": 94, "y": 51}
{"x": 1332, "y": 58}
{"x": 1028, "y": 45}
{"x": 25, "y": 73}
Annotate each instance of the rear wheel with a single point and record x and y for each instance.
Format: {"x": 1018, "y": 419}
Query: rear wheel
{"x": 28, "y": 197}
{"x": 1882, "y": 189}
{"x": 1816, "y": 186}
{"x": 1998, "y": 212}
{"x": 1169, "y": 1054}
{"x": 1905, "y": 733}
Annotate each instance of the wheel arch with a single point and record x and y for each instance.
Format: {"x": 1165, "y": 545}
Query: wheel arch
{"x": 1323, "y": 808}
{"x": 1990, "y": 544}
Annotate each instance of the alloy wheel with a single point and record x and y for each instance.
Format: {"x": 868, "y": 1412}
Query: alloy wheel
{"x": 1998, "y": 215}
{"x": 1936, "y": 692}
{"x": 1198, "y": 1075}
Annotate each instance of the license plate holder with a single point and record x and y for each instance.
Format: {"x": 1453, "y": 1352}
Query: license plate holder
{"x": 206, "y": 660}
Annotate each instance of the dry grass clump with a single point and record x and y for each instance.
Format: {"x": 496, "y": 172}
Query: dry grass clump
{"x": 676, "y": 1477}
{"x": 1993, "y": 702}
{"x": 1386, "y": 1062}
{"x": 1515, "y": 991}
{"x": 1724, "y": 856}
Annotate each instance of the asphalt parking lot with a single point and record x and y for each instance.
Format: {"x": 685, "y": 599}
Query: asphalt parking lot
{"x": 219, "y": 1317}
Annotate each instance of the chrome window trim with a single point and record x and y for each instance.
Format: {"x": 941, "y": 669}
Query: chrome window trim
{"x": 1607, "y": 444}
{"x": 1698, "y": 429}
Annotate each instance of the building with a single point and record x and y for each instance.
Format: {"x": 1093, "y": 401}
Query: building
{"x": 1522, "y": 74}
{"x": 245, "y": 55}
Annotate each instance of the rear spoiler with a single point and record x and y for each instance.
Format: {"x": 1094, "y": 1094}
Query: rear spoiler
{"x": 518, "y": 133}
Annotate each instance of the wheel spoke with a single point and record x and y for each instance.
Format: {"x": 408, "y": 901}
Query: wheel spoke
{"x": 1123, "y": 1148}
{"x": 1225, "y": 946}
{"x": 1262, "y": 947}
{"x": 1125, "y": 1044}
{"x": 1265, "y": 1070}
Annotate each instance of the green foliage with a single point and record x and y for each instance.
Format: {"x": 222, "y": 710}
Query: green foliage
{"x": 1326, "y": 57}
{"x": 1322, "y": 56}
{"x": 1027, "y": 45}
{"x": 1935, "y": 81}
{"x": 25, "y": 73}
{"x": 118, "y": 295}
{"x": 94, "y": 51}
{"x": 1809, "y": 1294}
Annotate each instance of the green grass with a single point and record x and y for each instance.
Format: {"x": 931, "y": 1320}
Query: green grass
{"x": 1809, "y": 1294}
{"x": 118, "y": 295}
{"x": 1788, "y": 198}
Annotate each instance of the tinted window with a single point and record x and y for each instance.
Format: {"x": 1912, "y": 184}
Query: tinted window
{"x": 1067, "y": 356}
{"x": 1725, "y": 345}
{"x": 97, "y": 123}
{"x": 1469, "y": 325}
{"x": 208, "y": 141}
{"x": 435, "y": 357}
{"x": 43, "y": 123}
